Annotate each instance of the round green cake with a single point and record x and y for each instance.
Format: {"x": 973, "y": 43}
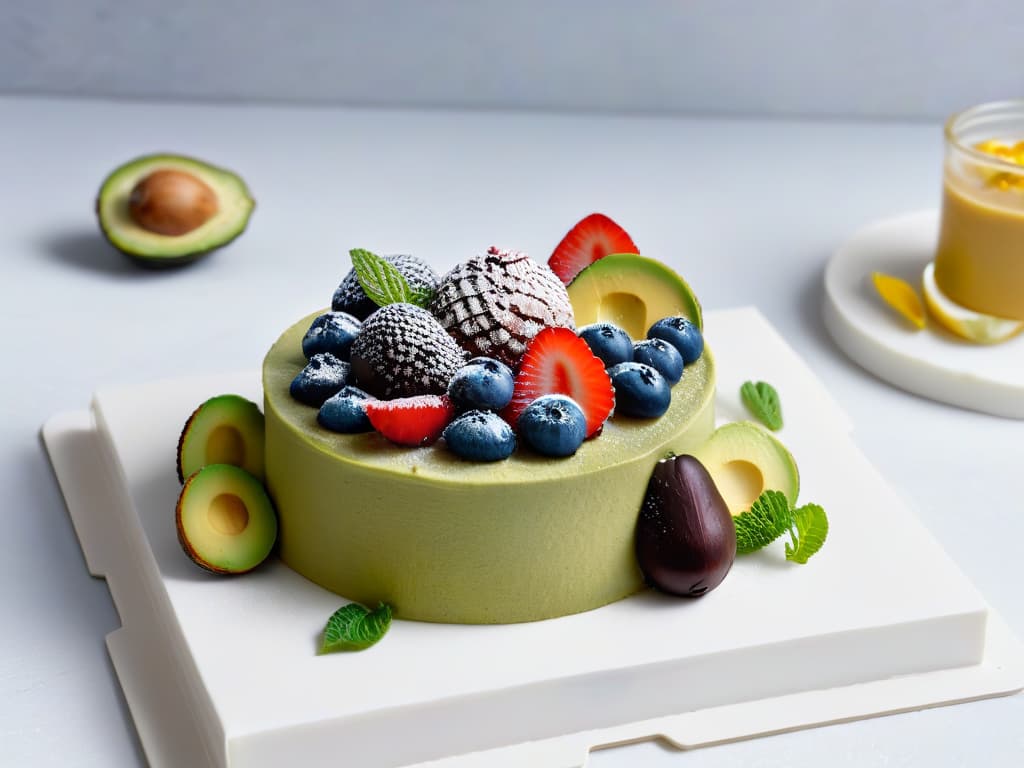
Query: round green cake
{"x": 447, "y": 540}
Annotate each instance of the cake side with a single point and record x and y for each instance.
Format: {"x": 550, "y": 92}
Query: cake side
{"x": 442, "y": 539}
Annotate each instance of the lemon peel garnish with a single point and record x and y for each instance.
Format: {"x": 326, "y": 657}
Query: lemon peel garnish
{"x": 901, "y": 296}
{"x": 963, "y": 322}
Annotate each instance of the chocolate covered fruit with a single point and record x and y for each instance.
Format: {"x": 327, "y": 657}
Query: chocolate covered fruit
{"x": 165, "y": 210}
{"x": 745, "y": 460}
{"x": 225, "y": 520}
{"x": 443, "y": 539}
{"x": 226, "y": 429}
{"x": 633, "y": 292}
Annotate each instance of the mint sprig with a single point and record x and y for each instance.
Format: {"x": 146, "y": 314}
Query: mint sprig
{"x": 383, "y": 283}
{"x": 763, "y": 401}
{"x": 354, "y": 627}
{"x": 770, "y": 516}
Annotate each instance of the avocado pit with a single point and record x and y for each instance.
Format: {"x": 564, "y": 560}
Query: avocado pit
{"x": 172, "y": 202}
{"x": 228, "y": 514}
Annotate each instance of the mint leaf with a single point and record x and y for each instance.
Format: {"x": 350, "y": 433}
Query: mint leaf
{"x": 763, "y": 401}
{"x": 810, "y": 528}
{"x": 383, "y": 283}
{"x": 768, "y": 518}
{"x": 354, "y": 627}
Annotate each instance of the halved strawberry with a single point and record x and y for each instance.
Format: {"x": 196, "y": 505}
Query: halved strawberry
{"x": 558, "y": 362}
{"x": 593, "y": 238}
{"x": 412, "y": 421}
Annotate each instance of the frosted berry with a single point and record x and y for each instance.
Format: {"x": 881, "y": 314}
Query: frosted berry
{"x": 480, "y": 436}
{"x": 640, "y": 391}
{"x": 608, "y": 342}
{"x": 323, "y": 375}
{"x": 553, "y": 425}
{"x": 661, "y": 356}
{"x": 351, "y": 298}
{"x": 345, "y": 411}
{"x": 483, "y": 383}
{"x": 332, "y": 332}
{"x": 681, "y": 334}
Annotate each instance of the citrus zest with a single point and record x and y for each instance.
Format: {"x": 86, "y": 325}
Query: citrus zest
{"x": 901, "y": 296}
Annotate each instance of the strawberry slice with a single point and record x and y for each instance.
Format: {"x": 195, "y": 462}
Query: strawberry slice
{"x": 412, "y": 421}
{"x": 558, "y": 362}
{"x": 593, "y": 238}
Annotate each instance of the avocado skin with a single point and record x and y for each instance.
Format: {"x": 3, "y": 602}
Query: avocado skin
{"x": 154, "y": 259}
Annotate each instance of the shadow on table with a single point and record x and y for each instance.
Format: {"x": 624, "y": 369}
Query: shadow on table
{"x": 86, "y": 249}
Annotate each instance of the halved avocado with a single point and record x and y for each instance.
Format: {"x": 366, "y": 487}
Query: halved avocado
{"x": 744, "y": 460}
{"x": 226, "y": 429}
{"x": 226, "y": 522}
{"x": 165, "y": 210}
{"x": 633, "y": 292}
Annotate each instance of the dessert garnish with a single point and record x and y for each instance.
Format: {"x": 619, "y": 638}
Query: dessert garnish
{"x": 682, "y": 333}
{"x": 900, "y": 296}
{"x": 592, "y": 238}
{"x": 771, "y": 516}
{"x": 165, "y": 210}
{"x": 661, "y": 356}
{"x": 685, "y": 539}
{"x": 411, "y": 421}
{"x": 762, "y": 400}
{"x": 345, "y": 411}
{"x": 225, "y": 520}
{"x": 608, "y": 342}
{"x": 331, "y": 332}
{"x": 557, "y": 361}
{"x": 323, "y": 376}
{"x": 480, "y": 436}
{"x": 226, "y": 429}
{"x": 351, "y": 297}
{"x": 483, "y": 383}
{"x": 354, "y": 627}
{"x": 640, "y": 391}
{"x": 553, "y": 425}
{"x": 1011, "y": 153}
{"x": 961, "y": 321}
{"x": 493, "y": 304}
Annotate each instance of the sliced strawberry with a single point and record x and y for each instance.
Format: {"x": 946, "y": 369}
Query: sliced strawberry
{"x": 593, "y": 238}
{"x": 558, "y": 362}
{"x": 412, "y": 421}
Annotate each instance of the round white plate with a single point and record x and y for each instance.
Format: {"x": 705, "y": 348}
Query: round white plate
{"x": 930, "y": 362}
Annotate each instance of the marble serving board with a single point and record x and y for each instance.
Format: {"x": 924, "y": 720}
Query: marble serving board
{"x": 224, "y": 672}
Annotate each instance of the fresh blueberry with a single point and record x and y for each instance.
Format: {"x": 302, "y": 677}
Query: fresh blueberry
{"x": 480, "y": 436}
{"x": 482, "y": 383}
{"x": 681, "y": 334}
{"x": 332, "y": 332}
{"x": 323, "y": 376}
{"x": 345, "y": 411}
{"x": 553, "y": 425}
{"x": 608, "y": 342}
{"x": 661, "y": 356}
{"x": 640, "y": 390}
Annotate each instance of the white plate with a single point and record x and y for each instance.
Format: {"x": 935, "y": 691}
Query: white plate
{"x": 932, "y": 362}
{"x": 223, "y": 671}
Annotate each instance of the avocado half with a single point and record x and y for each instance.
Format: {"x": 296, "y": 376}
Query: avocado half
{"x": 227, "y": 205}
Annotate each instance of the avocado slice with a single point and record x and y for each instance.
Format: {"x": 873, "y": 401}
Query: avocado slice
{"x": 226, "y": 522}
{"x": 744, "y": 460}
{"x": 633, "y": 292}
{"x": 226, "y": 429}
{"x": 166, "y": 210}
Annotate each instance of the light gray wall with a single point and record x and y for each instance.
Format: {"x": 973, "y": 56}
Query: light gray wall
{"x": 904, "y": 58}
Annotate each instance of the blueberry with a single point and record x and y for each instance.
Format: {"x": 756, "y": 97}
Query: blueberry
{"x": 323, "y": 375}
{"x": 661, "y": 356}
{"x": 332, "y": 332}
{"x": 345, "y": 411}
{"x": 608, "y": 342}
{"x": 480, "y": 436}
{"x": 640, "y": 390}
{"x": 553, "y": 425}
{"x": 681, "y": 334}
{"x": 482, "y": 383}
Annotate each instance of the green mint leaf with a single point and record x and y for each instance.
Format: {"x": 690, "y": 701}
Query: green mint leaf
{"x": 763, "y": 401}
{"x": 768, "y": 518}
{"x": 421, "y": 296}
{"x": 380, "y": 280}
{"x": 810, "y": 528}
{"x": 354, "y": 627}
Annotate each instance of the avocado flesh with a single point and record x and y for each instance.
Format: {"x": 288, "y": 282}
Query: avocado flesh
{"x": 225, "y": 520}
{"x": 744, "y": 460}
{"x": 235, "y": 205}
{"x": 227, "y": 429}
{"x": 633, "y": 292}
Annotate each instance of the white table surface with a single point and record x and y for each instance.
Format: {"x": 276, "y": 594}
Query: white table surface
{"x": 748, "y": 211}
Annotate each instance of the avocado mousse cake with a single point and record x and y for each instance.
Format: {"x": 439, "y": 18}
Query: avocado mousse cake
{"x": 457, "y": 448}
